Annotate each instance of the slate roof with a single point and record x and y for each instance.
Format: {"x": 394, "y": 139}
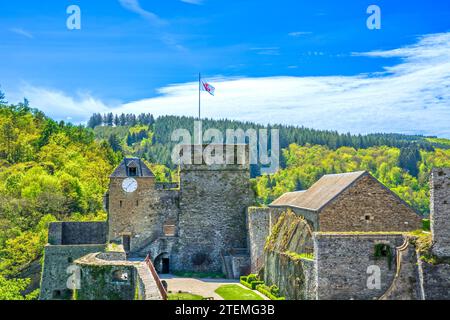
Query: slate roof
{"x": 321, "y": 193}
{"x": 141, "y": 168}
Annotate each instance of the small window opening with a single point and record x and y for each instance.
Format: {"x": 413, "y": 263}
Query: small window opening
{"x": 69, "y": 260}
{"x": 132, "y": 171}
{"x": 137, "y": 203}
{"x": 120, "y": 276}
{"x": 367, "y": 217}
{"x": 120, "y": 203}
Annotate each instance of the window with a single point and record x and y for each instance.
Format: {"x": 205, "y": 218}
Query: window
{"x": 367, "y": 217}
{"x": 69, "y": 260}
{"x": 137, "y": 203}
{"x": 169, "y": 230}
{"x": 132, "y": 171}
{"x": 120, "y": 203}
{"x": 120, "y": 276}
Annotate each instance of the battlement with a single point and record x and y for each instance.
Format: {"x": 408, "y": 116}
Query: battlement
{"x": 77, "y": 233}
{"x": 214, "y": 157}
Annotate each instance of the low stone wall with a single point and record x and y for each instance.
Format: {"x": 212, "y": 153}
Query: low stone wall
{"x": 342, "y": 262}
{"x": 115, "y": 280}
{"x": 290, "y": 237}
{"x": 54, "y": 271}
{"x": 435, "y": 280}
{"x": 258, "y": 224}
{"x": 77, "y": 233}
{"x": 295, "y": 277}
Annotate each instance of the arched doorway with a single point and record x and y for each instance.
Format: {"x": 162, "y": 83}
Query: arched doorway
{"x": 162, "y": 263}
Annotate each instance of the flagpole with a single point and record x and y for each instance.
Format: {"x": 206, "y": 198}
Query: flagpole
{"x": 199, "y": 95}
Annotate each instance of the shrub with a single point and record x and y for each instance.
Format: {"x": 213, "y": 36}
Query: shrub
{"x": 271, "y": 292}
{"x": 250, "y": 281}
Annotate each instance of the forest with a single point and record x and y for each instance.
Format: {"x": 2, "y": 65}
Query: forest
{"x": 57, "y": 171}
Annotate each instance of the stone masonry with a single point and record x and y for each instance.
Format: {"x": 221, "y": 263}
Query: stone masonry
{"x": 440, "y": 211}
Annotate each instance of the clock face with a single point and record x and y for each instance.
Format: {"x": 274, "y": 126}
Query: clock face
{"x": 129, "y": 185}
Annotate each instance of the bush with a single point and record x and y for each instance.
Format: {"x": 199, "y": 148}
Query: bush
{"x": 271, "y": 292}
{"x": 250, "y": 281}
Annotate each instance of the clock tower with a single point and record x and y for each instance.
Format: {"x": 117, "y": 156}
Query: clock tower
{"x": 129, "y": 188}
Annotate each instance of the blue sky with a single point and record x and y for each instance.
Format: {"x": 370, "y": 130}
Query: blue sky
{"x": 293, "y": 61}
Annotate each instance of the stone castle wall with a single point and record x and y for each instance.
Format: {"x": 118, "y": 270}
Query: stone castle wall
{"x": 368, "y": 206}
{"x": 440, "y": 211}
{"x": 342, "y": 262}
{"x": 258, "y": 222}
{"x": 212, "y": 217}
{"x": 283, "y": 266}
{"x": 74, "y": 233}
{"x": 141, "y": 214}
{"x": 57, "y": 258}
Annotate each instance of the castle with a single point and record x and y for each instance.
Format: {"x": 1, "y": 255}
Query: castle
{"x": 322, "y": 243}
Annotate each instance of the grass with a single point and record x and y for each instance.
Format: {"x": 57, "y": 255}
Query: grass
{"x": 235, "y": 292}
{"x": 184, "y": 296}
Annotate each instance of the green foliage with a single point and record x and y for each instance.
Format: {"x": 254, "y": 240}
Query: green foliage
{"x": 235, "y": 292}
{"x": 251, "y": 281}
{"x": 272, "y": 292}
{"x": 307, "y": 164}
{"x": 49, "y": 171}
{"x": 384, "y": 251}
{"x": 11, "y": 289}
{"x": 426, "y": 225}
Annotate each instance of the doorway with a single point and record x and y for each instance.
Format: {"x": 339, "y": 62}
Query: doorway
{"x": 165, "y": 266}
{"x": 126, "y": 242}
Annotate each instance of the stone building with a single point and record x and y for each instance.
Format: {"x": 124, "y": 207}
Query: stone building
{"x": 372, "y": 255}
{"x": 198, "y": 225}
{"x": 347, "y": 237}
{"x": 354, "y": 201}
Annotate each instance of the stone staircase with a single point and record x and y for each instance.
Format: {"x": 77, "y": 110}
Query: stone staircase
{"x": 149, "y": 289}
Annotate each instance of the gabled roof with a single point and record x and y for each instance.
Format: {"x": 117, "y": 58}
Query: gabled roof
{"x": 141, "y": 168}
{"x": 321, "y": 193}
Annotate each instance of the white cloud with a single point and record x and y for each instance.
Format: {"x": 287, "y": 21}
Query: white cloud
{"x": 197, "y": 2}
{"x": 58, "y": 104}
{"x": 22, "y": 32}
{"x": 299, "y": 33}
{"x": 410, "y": 97}
{"x": 134, "y": 6}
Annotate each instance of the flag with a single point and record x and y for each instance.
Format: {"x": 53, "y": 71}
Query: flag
{"x": 208, "y": 88}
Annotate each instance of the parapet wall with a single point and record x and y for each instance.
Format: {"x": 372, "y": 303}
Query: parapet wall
{"x": 344, "y": 263}
{"x": 77, "y": 233}
{"x": 57, "y": 259}
{"x": 258, "y": 224}
{"x": 440, "y": 211}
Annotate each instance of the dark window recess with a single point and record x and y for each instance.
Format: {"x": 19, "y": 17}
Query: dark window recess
{"x": 137, "y": 203}
{"x": 132, "y": 172}
{"x": 120, "y": 276}
{"x": 120, "y": 203}
{"x": 165, "y": 266}
{"x": 367, "y": 218}
{"x": 126, "y": 242}
{"x": 69, "y": 260}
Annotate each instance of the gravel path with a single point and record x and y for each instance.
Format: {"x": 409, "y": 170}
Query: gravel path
{"x": 202, "y": 287}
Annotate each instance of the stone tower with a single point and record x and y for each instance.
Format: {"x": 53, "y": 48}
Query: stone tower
{"x": 213, "y": 202}
{"x": 440, "y": 211}
{"x": 127, "y": 196}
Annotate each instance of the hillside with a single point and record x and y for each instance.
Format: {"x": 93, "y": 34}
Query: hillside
{"x": 49, "y": 171}
{"x": 57, "y": 171}
{"x": 401, "y": 162}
